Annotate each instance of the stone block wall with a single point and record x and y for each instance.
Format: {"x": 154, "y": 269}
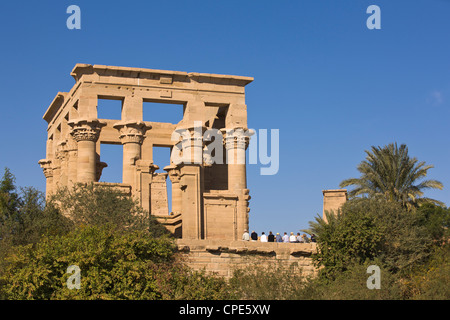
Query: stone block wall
{"x": 223, "y": 256}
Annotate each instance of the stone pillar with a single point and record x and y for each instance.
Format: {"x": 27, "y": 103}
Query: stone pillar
{"x": 62, "y": 156}
{"x": 86, "y": 133}
{"x": 236, "y": 142}
{"x": 174, "y": 176}
{"x": 159, "y": 203}
{"x": 192, "y": 144}
{"x": 131, "y": 135}
{"x": 132, "y": 108}
{"x": 191, "y": 182}
{"x": 145, "y": 170}
{"x": 56, "y": 169}
{"x": 46, "y": 166}
{"x": 72, "y": 162}
{"x": 191, "y": 201}
{"x": 333, "y": 201}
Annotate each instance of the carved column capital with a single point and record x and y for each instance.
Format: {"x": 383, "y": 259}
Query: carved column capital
{"x": 46, "y": 165}
{"x": 86, "y": 130}
{"x": 191, "y": 138}
{"x": 173, "y": 172}
{"x": 236, "y": 138}
{"x": 132, "y": 131}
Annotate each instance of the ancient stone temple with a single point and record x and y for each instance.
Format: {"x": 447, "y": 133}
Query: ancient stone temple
{"x": 209, "y": 200}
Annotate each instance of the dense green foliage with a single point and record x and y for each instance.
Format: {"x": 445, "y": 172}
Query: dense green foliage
{"x": 410, "y": 247}
{"x": 124, "y": 254}
{"x": 130, "y": 265}
{"x": 368, "y": 228}
{"x": 100, "y": 206}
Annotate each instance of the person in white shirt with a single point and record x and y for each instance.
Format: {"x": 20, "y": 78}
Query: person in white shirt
{"x": 246, "y": 236}
{"x": 263, "y": 237}
{"x": 292, "y": 238}
{"x": 285, "y": 238}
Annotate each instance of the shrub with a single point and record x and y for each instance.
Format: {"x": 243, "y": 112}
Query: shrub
{"x": 366, "y": 229}
{"x": 113, "y": 265}
{"x": 430, "y": 280}
{"x": 89, "y": 204}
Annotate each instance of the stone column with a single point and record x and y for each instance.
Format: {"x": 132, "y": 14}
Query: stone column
{"x": 236, "y": 142}
{"x": 191, "y": 181}
{"x": 86, "y": 133}
{"x": 72, "y": 163}
{"x": 56, "y": 168}
{"x": 192, "y": 144}
{"x": 131, "y": 135}
{"x": 174, "y": 176}
{"x": 62, "y": 156}
{"x": 192, "y": 201}
{"x": 145, "y": 170}
{"x": 46, "y": 165}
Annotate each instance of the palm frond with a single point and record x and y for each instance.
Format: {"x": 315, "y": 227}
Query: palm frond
{"x": 391, "y": 173}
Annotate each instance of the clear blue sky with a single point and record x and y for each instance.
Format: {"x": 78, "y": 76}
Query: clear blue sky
{"x": 330, "y": 85}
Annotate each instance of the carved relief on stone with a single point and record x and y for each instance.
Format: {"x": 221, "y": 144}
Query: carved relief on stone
{"x": 159, "y": 199}
{"x": 62, "y": 151}
{"x": 86, "y": 130}
{"x": 71, "y": 144}
{"x": 247, "y": 198}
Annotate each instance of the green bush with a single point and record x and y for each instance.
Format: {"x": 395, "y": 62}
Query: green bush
{"x": 113, "y": 265}
{"x": 89, "y": 204}
{"x": 266, "y": 283}
{"x": 430, "y": 280}
{"x": 405, "y": 240}
{"x": 125, "y": 254}
{"x": 436, "y": 220}
{"x": 366, "y": 229}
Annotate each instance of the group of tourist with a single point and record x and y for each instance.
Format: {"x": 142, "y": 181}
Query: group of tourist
{"x": 292, "y": 238}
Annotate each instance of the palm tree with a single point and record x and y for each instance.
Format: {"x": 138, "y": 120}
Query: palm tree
{"x": 321, "y": 224}
{"x": 388, "y": 172}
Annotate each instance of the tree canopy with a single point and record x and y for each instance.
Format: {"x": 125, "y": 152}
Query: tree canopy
{"x": 390, "y": 173}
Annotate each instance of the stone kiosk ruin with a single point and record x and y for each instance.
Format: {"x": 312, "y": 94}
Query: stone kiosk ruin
{"x": 210, "y": 201}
